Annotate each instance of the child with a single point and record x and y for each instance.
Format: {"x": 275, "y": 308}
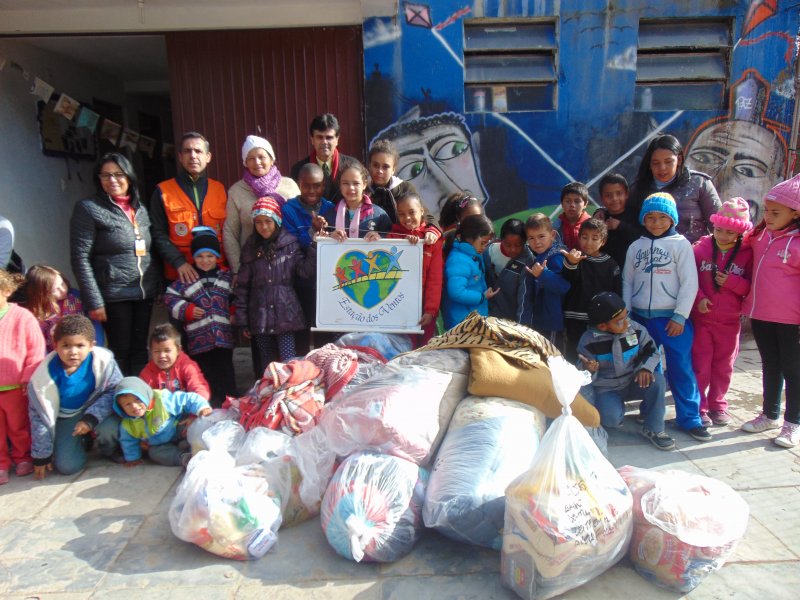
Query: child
{"x": 267, "y": 307}
{"x": 723, "y": 271}
{"x": 170, "y": 368}
{"x": 204, "y": 306}
{"x": 455, "y": 209}
{"x": 505, "y": 261}
{"x": 150, "y": 420}
{"x": 386, "y": 187}
{"x": 625, "y": 365}
{"x": 574, "y": 200}
{"x": 774, "y": 309}
{"x": 21, "y": 351}
{"x": 659, "y": 284}
{"x": 589, "y": 271}
{"x": 70, "y": 395}
{"x": 463, "y": 271}
{"x": 543, "y": 289}
{"x": 620, "y": 217}
{"x": 412, "y": 226}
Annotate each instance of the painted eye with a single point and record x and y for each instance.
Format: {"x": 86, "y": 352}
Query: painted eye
{"x": 411, "y": 170}
{"x": 750, "y": 170}
{"x": 451, "y": 150}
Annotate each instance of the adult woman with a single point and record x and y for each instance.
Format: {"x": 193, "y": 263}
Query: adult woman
{"x": 261, "y": 178}
{"x": 110, "y": 250}
{"x": 663, "y": 170}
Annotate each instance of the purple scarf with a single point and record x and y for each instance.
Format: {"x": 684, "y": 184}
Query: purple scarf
{"x": 264, "y": 185}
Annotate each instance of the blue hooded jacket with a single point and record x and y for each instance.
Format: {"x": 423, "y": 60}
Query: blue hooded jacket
{"x": 465, "y": 284}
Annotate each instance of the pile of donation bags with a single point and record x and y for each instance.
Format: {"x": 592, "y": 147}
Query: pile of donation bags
{"x": 382, "y": 446}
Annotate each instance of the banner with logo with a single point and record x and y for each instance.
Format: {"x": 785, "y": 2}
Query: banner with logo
{"x": 369, "y": 286}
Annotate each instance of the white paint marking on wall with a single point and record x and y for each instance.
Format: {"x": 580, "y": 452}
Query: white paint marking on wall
{"x": 447, "y": 47}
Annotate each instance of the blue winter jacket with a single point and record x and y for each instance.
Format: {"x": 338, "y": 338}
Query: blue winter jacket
{"x": 297, "y": 219}
{"x": 541, "y": 299}
{"x": 465, "y": 284}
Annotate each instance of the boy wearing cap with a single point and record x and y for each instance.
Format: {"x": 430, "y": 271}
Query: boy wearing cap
{"x": 149, "y": 420}
{"x": 659, "y": 285}
{"x": 204, "y": 307}
{"x": 624, "y": 362}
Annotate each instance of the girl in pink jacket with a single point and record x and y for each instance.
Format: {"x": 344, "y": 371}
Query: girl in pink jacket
{"x": 774, "y": 310}
{"x": 723, "y": 273}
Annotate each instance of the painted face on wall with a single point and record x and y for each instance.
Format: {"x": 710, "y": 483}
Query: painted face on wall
{"x": 743, "y": 158}
{"x": 438, "y": 160}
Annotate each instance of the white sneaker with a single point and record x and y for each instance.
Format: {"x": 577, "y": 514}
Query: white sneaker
{"x": 760, "y": 424}
{"x": 789, "y": 436}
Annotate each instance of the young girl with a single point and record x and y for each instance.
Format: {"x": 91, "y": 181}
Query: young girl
{"x": 49, "y": 297}
{"x": 773, "y": 307}
{"x": 723, "y": 271}
{"x": 458, "y": 207}
{"x": 411, "y": 225}
{"x": 466, "y": 289}
{"x": 505, "y": 261}
{"x": 386, "y": 188}
{"x": 20, "y": 353}
{"x": 266, "y": 304}
{"x": 663, "y": 170}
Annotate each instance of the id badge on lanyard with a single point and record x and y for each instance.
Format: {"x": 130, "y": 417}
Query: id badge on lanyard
{"x": 139, "y": 246}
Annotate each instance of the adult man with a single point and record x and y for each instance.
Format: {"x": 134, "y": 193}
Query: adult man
{"x": 178, "y": 205}
{"x": 324, "y": 130}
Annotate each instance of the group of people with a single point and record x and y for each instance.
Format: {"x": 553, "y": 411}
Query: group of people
{"x": 608, "y": 290}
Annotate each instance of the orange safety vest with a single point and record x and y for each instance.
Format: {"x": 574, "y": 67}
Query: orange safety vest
{"x": 182, "y": 217}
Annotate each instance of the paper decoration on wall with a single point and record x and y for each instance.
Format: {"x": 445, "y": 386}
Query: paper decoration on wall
{"x": 130, "y": 140}
{"x": 42, "y": 89}
{"x": 418, "y": 15}
{"x": 110, "y": 131}
{"x": 87, "y": 119}
{"x": 61, "y": 137}
{"x": 67, "y": 107}
{"x": 168, "y": 151}
{"x": 147, "y": 145}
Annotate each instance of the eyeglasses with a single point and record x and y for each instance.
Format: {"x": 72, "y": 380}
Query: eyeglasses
{"x": 110, "y": 176}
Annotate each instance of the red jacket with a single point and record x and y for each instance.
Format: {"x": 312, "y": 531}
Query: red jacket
{"x": 726, "y": 302}
{"x": 432, "y": 265}
{"x": 570, "y": 232}
{"x": 184, "y": 376}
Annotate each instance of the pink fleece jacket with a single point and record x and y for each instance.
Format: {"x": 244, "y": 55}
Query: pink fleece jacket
{"x": 21, "y": 346}
{"x": 776, "y": 276}
{"x": 726, "y": 302}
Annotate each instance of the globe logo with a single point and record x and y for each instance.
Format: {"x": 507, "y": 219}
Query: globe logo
{"x": 368, "y": 279}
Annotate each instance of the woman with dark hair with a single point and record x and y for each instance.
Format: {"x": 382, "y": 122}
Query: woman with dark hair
{"x": 110, "y": 251}
{"x": 663, "y": 169}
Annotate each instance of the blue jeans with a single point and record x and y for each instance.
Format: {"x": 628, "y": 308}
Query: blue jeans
{"x": 610, "y": 404}
{"x": 69, "y": 452}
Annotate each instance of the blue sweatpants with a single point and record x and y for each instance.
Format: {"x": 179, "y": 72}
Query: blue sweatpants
{"x": 680, "y": 374}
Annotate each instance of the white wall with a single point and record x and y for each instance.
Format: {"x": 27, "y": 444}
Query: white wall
{"x": 36, "y": 191}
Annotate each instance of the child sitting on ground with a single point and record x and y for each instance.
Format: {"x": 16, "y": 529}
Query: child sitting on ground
{"x": 70, "y": 396}
{"x": 505, "y": 261}
{"x": 624, "y": 362}
{"x": 205, "y": 307}
{"x": 21, "y": 351}
{"x": 574, "y": 200}
{"x": 150, "y": 420}
{"x": 170, "y": 368}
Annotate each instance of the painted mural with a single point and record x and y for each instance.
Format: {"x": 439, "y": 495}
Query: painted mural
{"x": 519, "y": 160}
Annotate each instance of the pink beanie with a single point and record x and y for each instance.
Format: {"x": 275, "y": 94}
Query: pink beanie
{"x": 734, "y": 215}
{"x": 786, "y": 193}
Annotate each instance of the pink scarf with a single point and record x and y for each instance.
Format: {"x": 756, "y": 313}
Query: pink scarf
{"x": 364, "y": 210}
{"x": 264, "y": 185}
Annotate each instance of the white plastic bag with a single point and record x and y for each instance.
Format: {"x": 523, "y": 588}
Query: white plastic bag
{"x": 261, "y": 444}
{"x": 225, "y": 435}
{"x": 194, "y": 433}
{"x": 388, "y": 344}
{"x": 568, "y": 519}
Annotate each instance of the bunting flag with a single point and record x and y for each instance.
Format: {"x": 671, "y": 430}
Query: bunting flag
{"x": 129, "y": 139}
{"x": 87, "y": 118}
{"x": 147, "y": 145}
{"x": 110, "y": 131}
{"x": 42, "y": 89}
{"x": 66, "y": 107}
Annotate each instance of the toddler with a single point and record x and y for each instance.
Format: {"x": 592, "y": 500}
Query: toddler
{"x": 505, "y": 261}
{"x": 170, "y": 368}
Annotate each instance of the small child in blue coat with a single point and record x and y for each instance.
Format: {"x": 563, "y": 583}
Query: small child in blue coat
{"x": 150, "y": 421}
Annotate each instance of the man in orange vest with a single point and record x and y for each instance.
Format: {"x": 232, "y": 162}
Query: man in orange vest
{"x": 187, "y": 201}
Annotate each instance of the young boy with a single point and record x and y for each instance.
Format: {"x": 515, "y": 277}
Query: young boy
{"x": 542, "y": 290}
{"x": 589, "y": 271}
{"x": 624, "y": 362}
{"x": 204, "y": 306}
{"x": 71, "y": 395}
{"x": 170, "y": 368}
{"x": 504, "y": 262}
{"x": 659, "y": 284}
{"x": 622, "y": 220}
{"x": 150, "y": 420}
{"x": 574, "y": 200}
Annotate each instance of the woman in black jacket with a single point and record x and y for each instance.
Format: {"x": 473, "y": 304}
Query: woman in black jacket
{"x": 112, "y": 260}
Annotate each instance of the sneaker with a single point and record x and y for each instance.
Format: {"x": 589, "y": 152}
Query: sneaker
{"x": 789, "y": 436}
{"x": 706, "y": 420}
{"x": 720, "y": 417}
{"x": 660, "y": 440}
{"x": 760, "y": 424}
{"x": 24, "y": 468}
{"x": 701, "y": 434}
{"x": 3, "y": 477}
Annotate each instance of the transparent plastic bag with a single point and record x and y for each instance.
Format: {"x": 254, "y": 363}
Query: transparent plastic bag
{"x": 261, "y": 444}
{"x": 569, "y": 518}
{"x": 224, "y": 435}
{"x": 194, "y": 433}
{"x": 685, "y": 526}
{"x": 388, "y": 345}
{"x": 372, "y": 507}
{"x": 225, "y": 510}
{"x": 490, "y": 442}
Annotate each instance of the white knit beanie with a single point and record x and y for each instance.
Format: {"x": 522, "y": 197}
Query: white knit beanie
{"x": 253, "y": 141}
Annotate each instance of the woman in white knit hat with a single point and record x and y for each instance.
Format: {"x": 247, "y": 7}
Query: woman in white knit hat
{"x": 261, "y": 178}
